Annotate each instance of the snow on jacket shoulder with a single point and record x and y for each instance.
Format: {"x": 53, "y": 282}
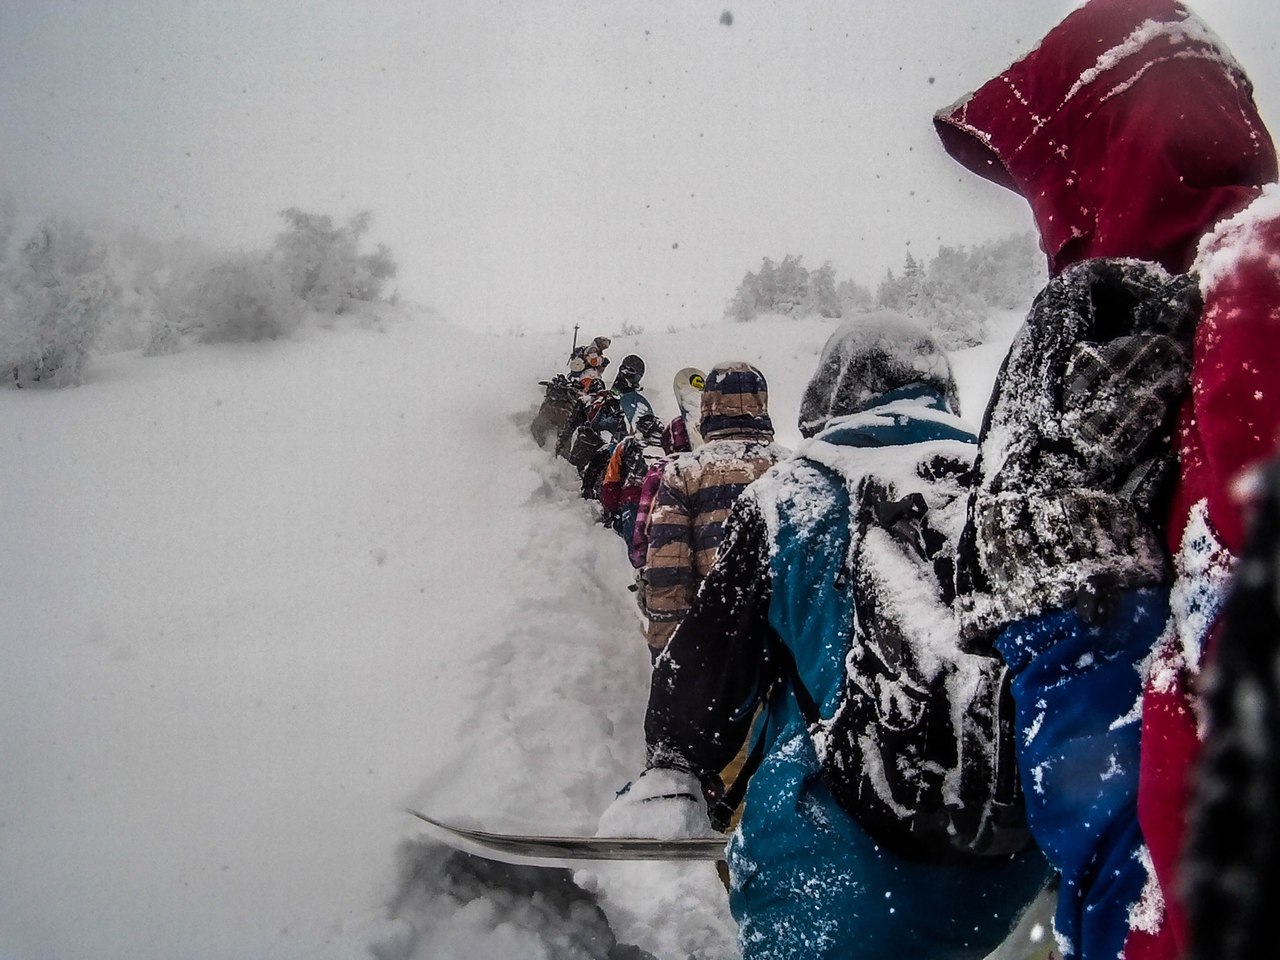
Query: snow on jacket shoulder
{"x": 1232, "y": 420}
{"x": 775, "y": 582}
{"x": 686, "y": 522}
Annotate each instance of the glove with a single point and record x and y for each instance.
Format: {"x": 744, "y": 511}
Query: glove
{"x": 663, "y": 803}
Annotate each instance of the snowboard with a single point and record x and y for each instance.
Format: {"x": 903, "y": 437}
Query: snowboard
{"x": 688, "y": 384}
{"x": 634, "y": 406}
{"x": 522, "y": 848}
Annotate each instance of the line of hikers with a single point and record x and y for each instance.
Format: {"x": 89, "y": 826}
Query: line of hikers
{"x": 897, "y": 610}
{"x": 666, "y": 499}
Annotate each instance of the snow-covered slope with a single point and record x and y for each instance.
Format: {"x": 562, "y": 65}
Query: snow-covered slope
{"x": 255, "y": 599}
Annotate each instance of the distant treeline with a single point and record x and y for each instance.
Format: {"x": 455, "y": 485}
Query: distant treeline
{"x": 955, "y": 294}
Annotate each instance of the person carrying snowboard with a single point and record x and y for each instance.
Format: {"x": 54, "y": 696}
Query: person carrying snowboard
{"x": 697, "y": 490}
{"x": 773, "y": 625}
{"x": 1133, "y": 134}
{"x": 556, "y": 408}
{"x": 578, "y": 440}
{"x": 626, "y": 471}
{"x": 587, "y": 363}
{"x": 613, "y": 419}
{"x": 678, "y": 437}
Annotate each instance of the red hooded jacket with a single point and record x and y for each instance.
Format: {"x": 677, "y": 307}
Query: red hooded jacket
{"x": 1132, "y": 132}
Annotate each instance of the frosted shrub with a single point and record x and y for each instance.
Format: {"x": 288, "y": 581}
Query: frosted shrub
{"x": 53, "y": 298}
{"x": 322, "y": 262}
{"x": 8, "y": 220}
{"x": 242, "y": 298}
{"x": 161, "y": 338}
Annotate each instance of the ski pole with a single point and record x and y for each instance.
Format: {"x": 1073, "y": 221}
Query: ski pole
{"x": 575, "y": 339}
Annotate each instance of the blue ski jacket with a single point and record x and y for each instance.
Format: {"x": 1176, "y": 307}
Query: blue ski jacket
{"x": 806, "y": 880}
{"x": 1076, "y": 689}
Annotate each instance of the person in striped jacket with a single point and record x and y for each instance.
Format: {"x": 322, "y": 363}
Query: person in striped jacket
{"x": 697, "y": 489}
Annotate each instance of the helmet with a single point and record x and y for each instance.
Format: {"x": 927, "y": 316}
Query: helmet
{"x": 630, "y": 372}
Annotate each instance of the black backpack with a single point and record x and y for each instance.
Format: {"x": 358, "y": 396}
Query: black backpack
{"x": 920, "y": 750}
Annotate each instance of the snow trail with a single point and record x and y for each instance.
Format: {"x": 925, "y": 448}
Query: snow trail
{"x": 257, "y": 598}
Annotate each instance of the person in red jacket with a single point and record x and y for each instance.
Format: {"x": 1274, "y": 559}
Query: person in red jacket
{"x": 1132, "y": 133}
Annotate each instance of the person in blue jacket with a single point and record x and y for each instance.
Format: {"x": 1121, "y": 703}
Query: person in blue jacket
{"x": 805, "y": 879}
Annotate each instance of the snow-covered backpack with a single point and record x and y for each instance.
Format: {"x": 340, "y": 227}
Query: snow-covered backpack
{"x": 920, "y": 750}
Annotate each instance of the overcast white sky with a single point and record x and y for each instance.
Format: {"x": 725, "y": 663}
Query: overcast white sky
{"x": 534, "y": 163}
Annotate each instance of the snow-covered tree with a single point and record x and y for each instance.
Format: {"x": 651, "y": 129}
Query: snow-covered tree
{"x": 891, "y": 293}
{"x": 8, "y": 221}
{"x": 322, "y": 262}
{"x": 958, "y": 290}
{"x": 54, "y": 295}
{"x": 792, "y": 287}
{"x": 853, "y": 298}
{"x": 787, "y": 288}
{"x": 823, "y": 299}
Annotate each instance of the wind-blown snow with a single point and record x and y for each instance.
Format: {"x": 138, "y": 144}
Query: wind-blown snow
{"x": 256, "y": 599}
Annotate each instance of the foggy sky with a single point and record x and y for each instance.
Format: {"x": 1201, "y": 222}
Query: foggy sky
{"x": 534, "y": 164}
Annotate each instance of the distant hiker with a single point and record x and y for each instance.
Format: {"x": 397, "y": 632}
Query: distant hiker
{"x": 697, "y": 489}
{"x": 616, "y": 417}
{"x": 556, "y": 408}
{"x": 674, "y": 441}
{"x": 1132, "y": 133}
{"x": 774, "y": 621}
{"x": 588, "y": 361}
{"x": 627, "y": 387}
{"x": 676, "y": 438}
{"x": 599, "y": 420}
{"x": 578, "y": 440}
{"x": 624, "y": 475}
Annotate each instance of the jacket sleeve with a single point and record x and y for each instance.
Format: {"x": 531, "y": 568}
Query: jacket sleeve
{"x": 718, "y": 666}
{"x": 611, "y": 487}
{"x": 640, "y": 536}
{"x": 1236, "y": 403}
{"x": 671, "y": 583}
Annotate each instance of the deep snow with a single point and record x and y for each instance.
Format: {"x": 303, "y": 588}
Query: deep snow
{"x": 256, "y": 599}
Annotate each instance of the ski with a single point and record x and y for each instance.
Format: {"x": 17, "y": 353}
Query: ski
{"x": 525, "y": 847}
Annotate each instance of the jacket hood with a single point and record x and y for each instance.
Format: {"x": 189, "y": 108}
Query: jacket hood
{"x": 914, "y": 414}
{"x": 867, "y": 357}
{"x": 1130, "y": 130}
{"x": 735, "y": 403}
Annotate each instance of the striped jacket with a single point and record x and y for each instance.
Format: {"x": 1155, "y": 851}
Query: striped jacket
{"x": 698, "y": 489}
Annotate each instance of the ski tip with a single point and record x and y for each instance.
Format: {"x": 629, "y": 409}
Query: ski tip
{"x": 532, "y": 848}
